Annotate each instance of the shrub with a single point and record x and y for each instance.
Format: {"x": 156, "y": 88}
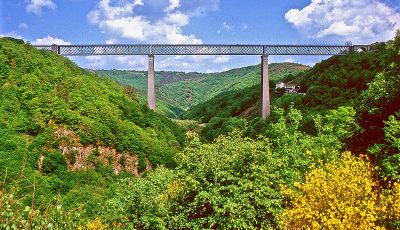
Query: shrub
{"x": 54, "y": 161}
{"x": 339, "y": 195}
{"x": 229, "y": 184}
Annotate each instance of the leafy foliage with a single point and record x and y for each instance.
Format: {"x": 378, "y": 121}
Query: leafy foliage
{"x": 48, "y": 104}
{"x": 285, "y": 172}
{"x": 135, "y": 202}
{"x": 339, "y": 195}
{"x": 225, "y": 105}
{"x": 239, "y": 190}
{"x": 13, "y": 215}
{"x": 54, "y": 161}
{"x": 233, "y": 182}
{"x": 48, "y": 90}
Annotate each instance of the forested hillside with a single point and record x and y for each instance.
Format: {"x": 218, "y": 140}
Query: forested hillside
{"x": 314, "y": 164}
{"x": 138, "y": 80}
{"x": 183, "y": 90}
{"x": 67, "y": 131}
{"x": 337, "y": 81}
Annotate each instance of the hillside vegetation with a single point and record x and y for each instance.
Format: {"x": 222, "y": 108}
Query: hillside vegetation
{"x": 337, "y": 81}
{"x": 138, "y": 80}
{"x": 56, "y": 118}
{"x": 184, "y": 90}
{"x": 293, "y": 171}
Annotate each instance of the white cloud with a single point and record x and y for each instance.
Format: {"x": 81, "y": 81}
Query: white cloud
{"x": 150, "y": 21}
{"x": 96, "y": 62}
{"x": 227, "y": 27}
{"x": 22, "y": 26}
{"x": 138, "y": 2}
{"x": 174, "y": 63}
{"x": 173, "y": 5}
{"x": 216, "y": 70}
{"x": 35, "y": 6}
{"x": 111, "y": 41}
{"x": 222, "y": 59}
{"x": 351, "y": 20}
{"x": 111, "y": 62}
{"x": 339, "y": 28}
{"x": 49, "y": 40}
{"x": 11, "y": 34}
{"x": 120, "y": 19}
{"x": 177, "y": 19}
{"x": 190, "y": 63}
{"x": 291, "y": 60}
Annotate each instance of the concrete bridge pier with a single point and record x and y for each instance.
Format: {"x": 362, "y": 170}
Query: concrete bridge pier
{"x": 54, "y": 48}
{"x": 151, "y": 90}
{"x": 265, "y": 101}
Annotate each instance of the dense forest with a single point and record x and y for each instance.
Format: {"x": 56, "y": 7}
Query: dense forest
{"x": 81, "y": 151}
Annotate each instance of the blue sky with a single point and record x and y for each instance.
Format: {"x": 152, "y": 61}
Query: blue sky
{"x": 196, "y": 22}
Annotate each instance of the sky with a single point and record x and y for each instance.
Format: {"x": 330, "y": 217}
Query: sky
{"x": 332, "y": 22}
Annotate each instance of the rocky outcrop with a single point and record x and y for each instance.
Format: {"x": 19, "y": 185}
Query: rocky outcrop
{"x": 87, "y": 157}
{"x": 84, "y": 157}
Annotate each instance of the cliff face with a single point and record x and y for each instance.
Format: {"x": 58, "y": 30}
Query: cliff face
{"x": 84, "y": 157}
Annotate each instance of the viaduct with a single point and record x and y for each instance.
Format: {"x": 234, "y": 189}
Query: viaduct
{"x": 158, "y": 49}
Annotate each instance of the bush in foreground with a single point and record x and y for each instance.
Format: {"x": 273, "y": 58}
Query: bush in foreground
{"x": 341, "y": 195}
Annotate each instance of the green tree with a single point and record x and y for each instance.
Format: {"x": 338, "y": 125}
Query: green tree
{"x": 135, "y": 202}
{"x": 231, "y": 183}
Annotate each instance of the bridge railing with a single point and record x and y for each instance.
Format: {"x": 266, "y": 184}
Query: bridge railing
{"x": 158, "y": 49}
{"x": 40, "y": 47}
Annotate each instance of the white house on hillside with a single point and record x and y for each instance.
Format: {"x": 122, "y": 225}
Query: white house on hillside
{"x": 289, "y": 87}
{"x": 280, "y": 85}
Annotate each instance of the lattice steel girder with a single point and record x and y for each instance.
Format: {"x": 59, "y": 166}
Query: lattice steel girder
{"x": 40, "y": 47}
{"x": 129, "y": 49}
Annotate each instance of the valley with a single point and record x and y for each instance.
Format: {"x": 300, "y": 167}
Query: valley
{"x": 80, "y": 149}
{"x": 184, "y": 90}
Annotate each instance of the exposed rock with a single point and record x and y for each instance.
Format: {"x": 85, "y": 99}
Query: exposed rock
{"x": 40, "y": 162}
{"x": 87, "y": 157}
{"x": 80, "y": 157}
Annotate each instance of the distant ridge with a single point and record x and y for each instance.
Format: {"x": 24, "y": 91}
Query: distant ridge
{"x": 184, "y": 90}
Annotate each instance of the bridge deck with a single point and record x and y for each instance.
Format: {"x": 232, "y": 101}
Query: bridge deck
{"x": 132, "y": 49}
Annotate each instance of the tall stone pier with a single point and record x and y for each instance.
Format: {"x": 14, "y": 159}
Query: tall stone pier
{"x": 265, "y": 101}
{"x": 151, "y": 90}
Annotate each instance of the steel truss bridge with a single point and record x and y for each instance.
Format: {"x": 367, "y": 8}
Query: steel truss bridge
{"x": 158, "y": 49}
{"x": 129, "y": 49}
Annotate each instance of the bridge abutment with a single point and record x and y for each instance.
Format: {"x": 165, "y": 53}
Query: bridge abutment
{"x": 265, "y": 100}
{"x": 151, "y": 90}
{"x": 54, "y": 49}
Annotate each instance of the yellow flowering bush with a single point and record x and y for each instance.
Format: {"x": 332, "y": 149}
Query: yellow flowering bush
{"x": 95, "y": 225}
{"x": 341, "y": 195}
{"x": 391, "y": 203}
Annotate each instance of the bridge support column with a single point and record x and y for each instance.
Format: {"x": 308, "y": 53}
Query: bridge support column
{"x": 265, "y": 101}
{"x": 151, "y": 92}
{"x": 54, "y": 48}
